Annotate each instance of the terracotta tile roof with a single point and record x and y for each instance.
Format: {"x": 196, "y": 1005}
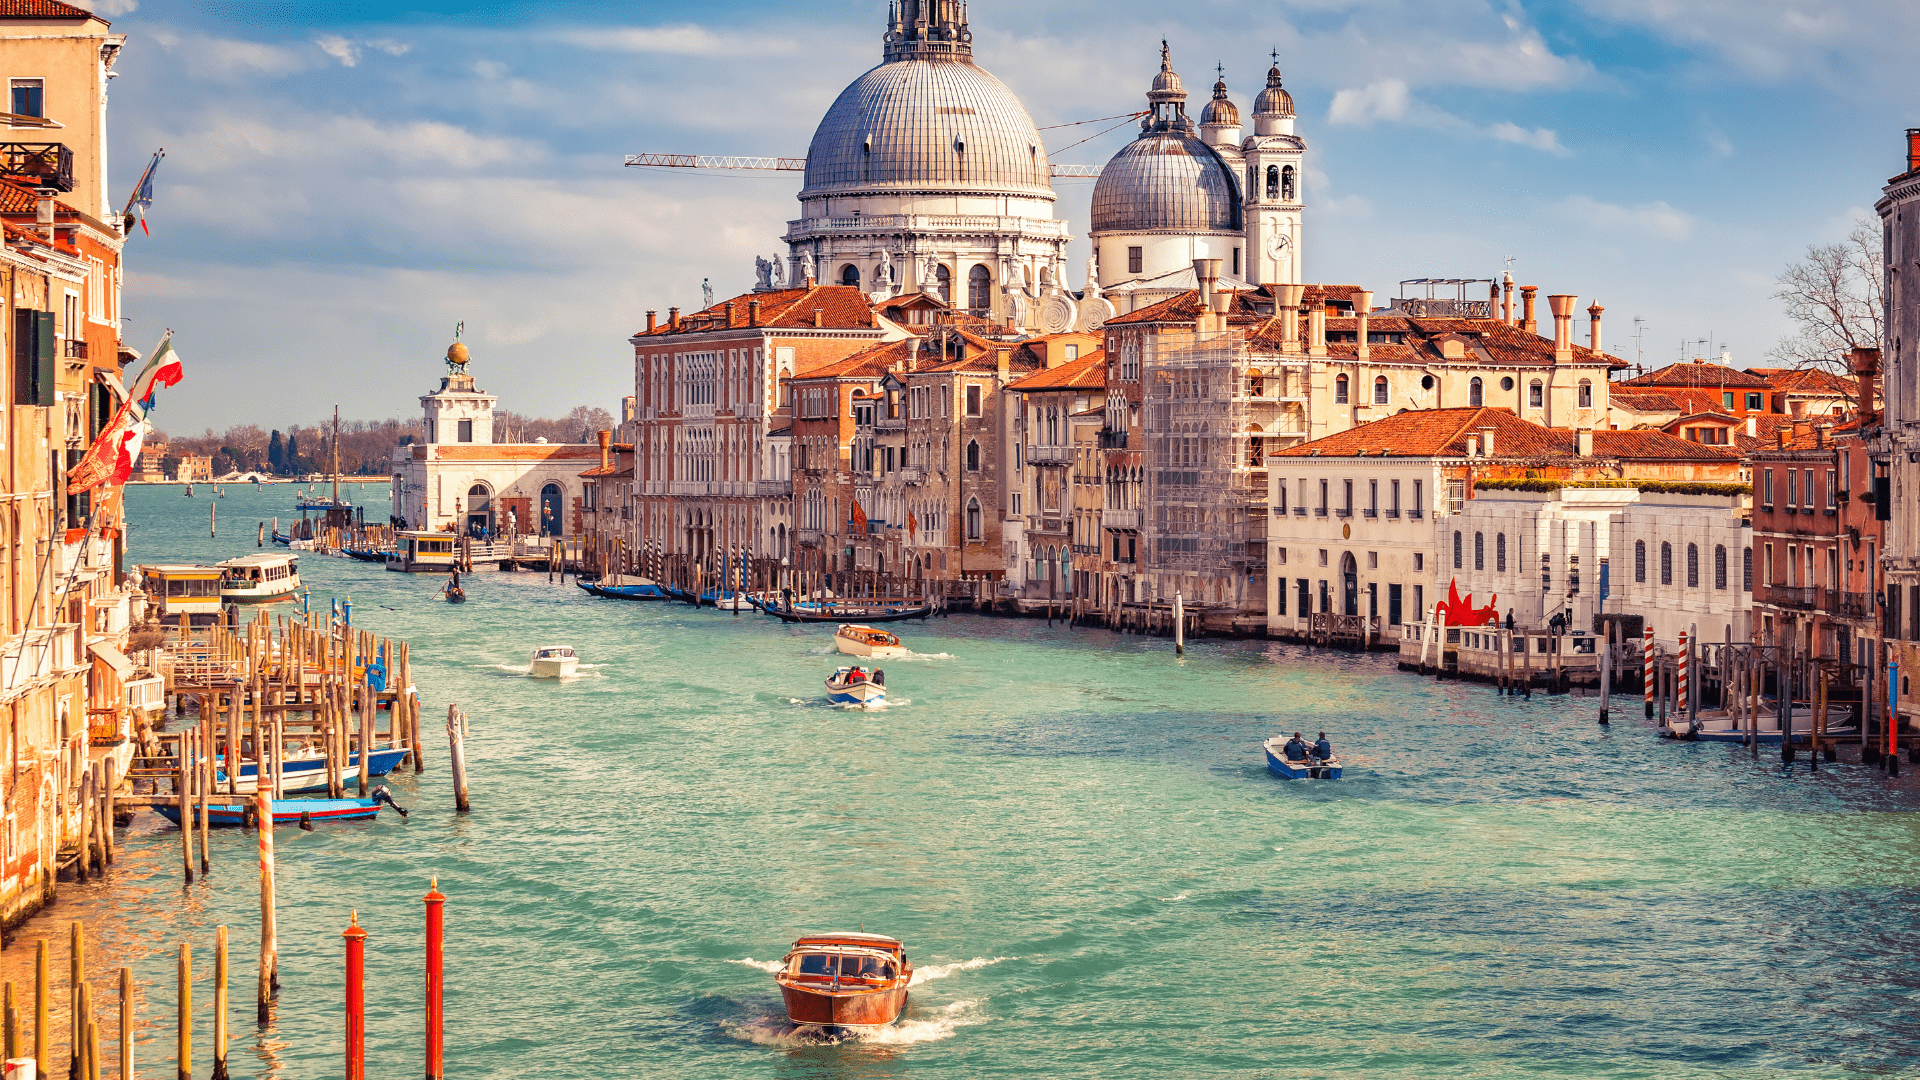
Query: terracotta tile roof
{"x": 1183, "y": 308}
{"x": 1485, "y": 341}
{"x": 1643, "y": 401}
{"x": 1699, "y": 375}
{"x": 842, "y": 307}
{"x": 1444, "y": 432}
{"x": 1807, "y": 381}
{"x": 42, "y": 9}
{"x": 872, "y": 362}
{"x": 609, "y": 472}
{"x": 1087, "y": 373}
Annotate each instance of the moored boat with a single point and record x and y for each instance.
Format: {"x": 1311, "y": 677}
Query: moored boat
{"x": 837, "y": 981}
{"x": 554, "y": 662}
{"x": 305, "y": 769}
{"x": 1311, "y": 769}
{"x": 857, "y": 686}
{"x": 286, "y": 811}
{"x": 856, "y": 640}
{"x": 643, "y": 591}
{"x": 806, "y": 612}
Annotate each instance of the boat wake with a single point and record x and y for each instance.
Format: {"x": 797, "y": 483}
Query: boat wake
{"x": 930, "y": 972}
{"x": 1173, "y": 899}
{"x": 771, "y": 967}
{"x": 920, "y": 1026}
{"x": 517, "y": 669}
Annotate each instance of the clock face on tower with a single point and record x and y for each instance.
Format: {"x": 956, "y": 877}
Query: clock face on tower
{"x": 1278, "y": 243}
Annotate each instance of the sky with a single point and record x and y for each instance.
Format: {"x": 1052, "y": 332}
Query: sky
{"x": 346, "y": 182}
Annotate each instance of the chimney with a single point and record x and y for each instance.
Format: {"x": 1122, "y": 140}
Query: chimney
{"x": 606, "y": 443}
{"x": 44, "y": 216}
{"x": 753, "y": 313}
{"x": 1473, "y": 446}
{"x": 673, "y": 318}
{"x": 1506, "y": 315}
{"x": 1002, "y": 358}
{"x": 1822, "y": 434}
{"x": 1913, "y": 149}
{"x": 1866, "y": 368}
{"x": 652, "y": 316}
{"x": 1207, "y": 273}
{"x": 730, "y": 313}
{"x": 1593, "y": 340}
{"x": 1527, "y": 322}
{"x": 1784, "y": 433}
{"x": 1362, "y": 307}
{"x": 1583, "y": 441}
{"x": 1288, "y": 301}
{"x": 1486, "y": 441}
{"x": 1753, "y": 426}
{"x": 1562, "y": 306}
{"x": 1317, "y": 331}
{"x": 817, "y": 320}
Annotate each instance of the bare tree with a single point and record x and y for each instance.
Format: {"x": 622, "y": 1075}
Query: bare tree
{"x": 1833, "y": 298}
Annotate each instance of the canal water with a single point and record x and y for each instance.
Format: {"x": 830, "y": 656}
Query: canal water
{"x": 1075, "y": 835}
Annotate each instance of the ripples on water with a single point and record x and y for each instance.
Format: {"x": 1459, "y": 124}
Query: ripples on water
{"x": 1073, "y": 832}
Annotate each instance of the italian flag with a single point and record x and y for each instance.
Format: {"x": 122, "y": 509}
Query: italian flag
{"x": 109, "y": 461}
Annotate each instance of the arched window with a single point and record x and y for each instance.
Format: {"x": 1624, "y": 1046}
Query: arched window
{"x": 1536, "y": 395}
{"x": 979, "y": 289}
{"x": 1286, "y": 183}
{"x": 1640, "y": 562}
{"x": 1476, "y": 392}
{"x": 1500, "y": 553}
{"x": 850, "y": 275}
{"x": 1273, "y": 181}
{"x": 1380, "y": 390}
{"x": 1719, "y": 566}
{"x": 1693, "y": 566}
{"x": 943, "y": 281}
{"x": 973, "y": 519}
{"x": 550, "y": 507}
{"x": 479, "y": 508}
{"x": 1479, "y": 551}
{"x": 1746, "y": 570}
{"x": 1340, "y": 390}
{"x": 1666, "y": 563}
{"x": 973, "y": 457}
{"x": 1456, "y": 549}
{"x": 1586, "y": 393}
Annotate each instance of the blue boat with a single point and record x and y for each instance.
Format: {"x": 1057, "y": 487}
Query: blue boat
{"x": 306, "y": 770}
{"x": 285, "y": 812}
{"x": 1311, "y": 769}
{"x": 623, "y": 592}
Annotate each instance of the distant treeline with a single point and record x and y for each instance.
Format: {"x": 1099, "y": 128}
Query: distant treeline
{"x": 366, "y": 446}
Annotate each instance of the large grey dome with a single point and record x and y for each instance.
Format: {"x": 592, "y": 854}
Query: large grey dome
{"x": 927, "y": 125}
{"x": 1165, "y": 181}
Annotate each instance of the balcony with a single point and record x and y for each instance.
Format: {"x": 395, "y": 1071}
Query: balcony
{"x": 913, "y": 474}
{"x": 773, "y": 489}
{"x": 38, "y": 165}
{"x": 1319, "y": 511}
{"x": 808, "y": 537}
{"x": 1345, "y": 513}
{"x": 76, "y": 349}
{"x": 1120, "y": 520}
{"x": 1049, "y": 455}
{"x": 1805, "y": 598}
{"x": 1850, "y": 605}
{"x": 1370, "y": 513}
{"x": 1113, "y": 440}
{"x": 1299, "y": 511}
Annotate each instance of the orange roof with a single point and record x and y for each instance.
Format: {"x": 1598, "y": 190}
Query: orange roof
{"x": 42, "y": 9}
{"x": 1643, "y": 401}
{"x": 1698, "y": 375}
{"x": 841, "y": 307}
{"x": 1087, "y": 373}
{"x": 1807, "y": 381}
{"x": 869, "y": 363}
{"x": 1183, "y": 308}
{"x": 1444, "y": 432}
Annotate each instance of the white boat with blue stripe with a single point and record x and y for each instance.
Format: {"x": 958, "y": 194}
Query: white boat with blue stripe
{"x": 858, "y": 687}
{"x": 1311, "y": 768}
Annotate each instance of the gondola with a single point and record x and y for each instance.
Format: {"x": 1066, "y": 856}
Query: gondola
{"x": 366, "y": 556}
{"x": 623, "y": 592}
{"x": 456, "y": 595}
{"x": 815, "y": 613}
{"x": 281, "y": 538}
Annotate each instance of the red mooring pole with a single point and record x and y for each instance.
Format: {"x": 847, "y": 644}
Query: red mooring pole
{"x": 436, "y": 932}
{"x": 356, "y": 1000}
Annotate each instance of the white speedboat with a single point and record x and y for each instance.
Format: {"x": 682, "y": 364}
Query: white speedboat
{"x": 260, "y": 579}
{"x": 554, "y": 662}
{"x": 856, "y": 640}
{"x": 858, "y": 687}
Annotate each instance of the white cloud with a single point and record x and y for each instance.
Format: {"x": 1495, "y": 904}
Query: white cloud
{"x": 1538, "y": 138}
{"x": 1656, "y": 219}
{"x": 1865, "y": 44}
{"x": 1392, "y": 101}
{"x": 228, "y": 59}
{"x": 347, "y": 50}
{"x": 1384, "y": 100}
{"x": 686, "y": 39}
{"x": 113, "y": 9}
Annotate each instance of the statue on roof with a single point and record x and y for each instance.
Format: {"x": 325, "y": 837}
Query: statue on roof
{"x": 763, "y": 274}
{"x": 777, "y": 271}
{"x": 806, "y": 268}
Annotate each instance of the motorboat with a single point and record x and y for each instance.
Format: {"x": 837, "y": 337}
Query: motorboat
{"x": 1721, "y": 725}
{"x": 845, "y": 981}
{"x": 287, "y": 811}
{"x": 1311, "y": 769}
{"x": 858, "y": 686}
{"x": 856, "y": 640}
{"x": 304, "y": 768}
{"x": 265, "y": 578}
{"x": 554, "y": 662}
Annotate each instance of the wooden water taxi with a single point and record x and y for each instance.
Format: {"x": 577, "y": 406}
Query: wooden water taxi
{"x": 553, "y": 662}
{"x": 837, "y": 981}
{"x": 265, "y": 578}
{"x": 857, "y": 686}
{"x": 1311, "y": 769}
{"x": 176, "y": 590}
{"x": 856, "y": 640}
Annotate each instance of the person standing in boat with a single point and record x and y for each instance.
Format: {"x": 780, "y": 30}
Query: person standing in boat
{"x": 1322, "y": 749}
{"x": 1296, "y": 748}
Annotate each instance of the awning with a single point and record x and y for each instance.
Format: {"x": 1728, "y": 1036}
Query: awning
{"x": 113, "y": 658}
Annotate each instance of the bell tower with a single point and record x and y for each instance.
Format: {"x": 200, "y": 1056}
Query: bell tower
{"x": 928, "y": 30}
{"x": 1276, "y": 174}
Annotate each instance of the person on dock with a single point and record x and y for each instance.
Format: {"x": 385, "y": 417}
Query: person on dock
{"x": 1322, "y": 749}
{"x": 1296, "y": 748}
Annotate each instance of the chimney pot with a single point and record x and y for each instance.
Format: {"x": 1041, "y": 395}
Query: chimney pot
{"x": 753, "y": 313}
{"x": 1562, "y": 306}
{"x": 1486, "y": 441}
{"x": 673, "y": 318}
{"x": 1473, "y": 446}
{"x": 1583, "y": 442}
{"x": 606, "y": 442}
{"x": 1913, "y": 149}
{"x": 1784, "y": 434}
{"x": 818, "y": 319}
{"x": 1317, "y": 331}
{"x": 1288, "y": 298}
{"x": 729, "y": 313}
{"x": 652, "y": 317}
{"x": 1593, "y": 313}
{"x": 1362, "y": 308}
{"x": 1527, "y": 321}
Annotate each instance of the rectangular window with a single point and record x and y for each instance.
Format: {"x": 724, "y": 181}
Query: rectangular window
{"x": 1393, "y": 507}
{"x": 1325, "y": 595}
{"x": 1304, "y": 591}
{"x": 1766, "y": 488}
{"x": 1347, "y": 494}
{"x": 1420, "y": 600}
{"x": 1793, "y": 488}
{"x": 29, "y": 97}
{"x": 1806, "y": 485}
{"x": 1135, "y": 256}
{"x": 1419, "y": 497}
{"x": 1016, "y": 504}
{"x": 1755, "y": 403}
{"x": 466, "y": 431}
{"x": 1772, "y": 579}
{"x": 1456, "y": 496}
{"x": 1323, "y": 498}
{"x": 973, "y": 399}
{"x": 1373, "y": 497}
{"x": 1793, "y": 562}
{"x": 1419, "y": 560}
{"x": 1393, "y": 605}
{"x": 1727, "y": 399}
{"x": 1833, "y": 489}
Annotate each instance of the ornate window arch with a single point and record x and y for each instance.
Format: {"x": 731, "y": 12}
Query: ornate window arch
{"x": 1380, "y": 390}
{"x": 979, "y": 289}
{"x": 973, "y": 519}
{"x": 850, "y": 275}
{"x": 1340, "y": 390}
{"x": 1720, "y": 566}
{"x": 1666, "y": 563}
{"x": 1476, "y": 392}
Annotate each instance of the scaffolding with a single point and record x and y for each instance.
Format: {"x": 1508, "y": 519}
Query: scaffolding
{"x": 1200, "y": 460}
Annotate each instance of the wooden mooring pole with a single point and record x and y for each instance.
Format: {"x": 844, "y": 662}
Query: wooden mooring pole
{"x": 269, "y": 931}
{"x": 126, "y": 1023}
{"x": 456, "y": 749}
{"x": 184, "y": 1046}
{"x": 220, "y": 1004}
{"x": 76, "y": 985}
{"x": 42, "y": 1009}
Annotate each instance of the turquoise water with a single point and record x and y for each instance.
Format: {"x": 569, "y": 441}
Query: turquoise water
{"x": 1073, "y": 832}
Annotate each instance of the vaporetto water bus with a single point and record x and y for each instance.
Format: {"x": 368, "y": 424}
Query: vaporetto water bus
{"x": 260, "y": 579}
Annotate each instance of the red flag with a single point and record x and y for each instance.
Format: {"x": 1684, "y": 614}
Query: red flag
{"x": 913, "y": 525}
{"x": 859, "y": 518}
{"x": 109, "y": 461}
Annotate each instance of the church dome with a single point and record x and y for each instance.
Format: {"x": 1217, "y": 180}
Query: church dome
{"x": 1220, "y": 110}
{"x": 1274, "y": 100}
{"x": 1165, "y": 181}
{"x": 927, "y": 125}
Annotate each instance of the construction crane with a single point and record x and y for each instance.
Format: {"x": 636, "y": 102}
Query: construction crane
{"x": 783, "y": 164}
